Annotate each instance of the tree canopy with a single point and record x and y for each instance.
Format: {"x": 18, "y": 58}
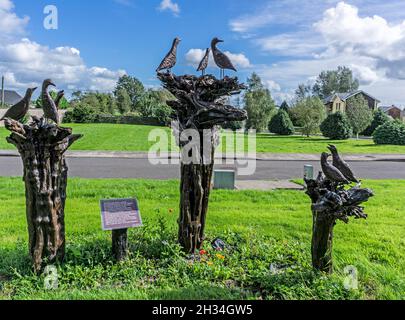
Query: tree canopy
{"x": 258, "y": 104}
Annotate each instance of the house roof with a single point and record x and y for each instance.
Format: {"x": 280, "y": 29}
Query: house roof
{"x": 388, "y": 108}
{"x": 346, "y": 95}
{"x": 11, "y": 97}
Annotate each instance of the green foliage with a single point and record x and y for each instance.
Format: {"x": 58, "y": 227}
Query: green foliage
{"x": 358, "y": 113}
{"x": 333, "y": 81}
{"x": 284, "y": 106}
{"x": 123, "y": 101}
{"x": 337, "y": 127}
{"x": 133, "y": 87}
{"x": 309, "y": 114}
{"x": 81, "y": 113}
{"x": 392, "y": 132}
{"x": 302, "y": 92}
{"x": 268, "y": 233}
{"x": 232, "y": 125}
{"x": 281, "y": 124}
{"x": 63, "y": 104}
{"x": 379, "y": 119}
{"x": 153, "y": 105}
{"x": 258, "y": 104}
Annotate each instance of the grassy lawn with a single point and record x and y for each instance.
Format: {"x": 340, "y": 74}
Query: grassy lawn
{"x": 262, "y": 228}
{"x": 114, "y": 137}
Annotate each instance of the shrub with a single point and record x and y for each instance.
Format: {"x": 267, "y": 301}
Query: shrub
{"x": 392, "y": 132}
{"x": 281, "y": 124}
{"x": 81, "y": 113}
{"x": 232, "y": 125}
{"x": 336, "y": 127}
{"x": 379, "y": 119}
{"x": 309, "y": 114}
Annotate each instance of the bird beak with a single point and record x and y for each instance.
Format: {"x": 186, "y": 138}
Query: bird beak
{"x": 52, "y": 84}
{"x": 33, "y": 89}
{"x": 220, "y": 40}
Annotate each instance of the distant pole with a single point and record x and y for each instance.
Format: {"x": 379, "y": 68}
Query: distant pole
{"x": 2, "y": 91}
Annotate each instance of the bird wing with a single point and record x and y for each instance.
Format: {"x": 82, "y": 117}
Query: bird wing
{"x": 16, "y": 112}
{"x": 204, "y": 63}
{"x": 168, "y": 62}
{"x": 223, "y": 61}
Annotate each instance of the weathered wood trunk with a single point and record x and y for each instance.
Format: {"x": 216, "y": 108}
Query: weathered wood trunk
{"x": 322, "y": 240}
{"x": 200, "y": 107}
{"x": 42, "y": 148}
{"x": 195, "y": 188}
{"x": 120, "y": 244}
{"x": 330, "y": 203}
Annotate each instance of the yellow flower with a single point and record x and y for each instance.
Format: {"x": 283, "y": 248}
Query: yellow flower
{"x": 209, "y": 263}
{"x": 220, "y": 256}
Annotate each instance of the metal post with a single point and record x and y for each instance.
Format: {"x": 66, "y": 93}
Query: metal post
{"x": 308, "y": 172}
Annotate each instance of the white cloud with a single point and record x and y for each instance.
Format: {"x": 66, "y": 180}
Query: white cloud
{"x": 372, "y": 46}
{"x": 248, "y": 23}
{"x": 169, "y": 5}
{"x": 194, "y": 56}
{"x": 26, "y": 63}
{"x": 10, "y": 23}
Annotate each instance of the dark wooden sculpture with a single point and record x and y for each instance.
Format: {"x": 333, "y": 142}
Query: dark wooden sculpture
{"x": 331, "y": 201}
{"x": 170, "y": 59}
{"x": 48, "y": 104}
{"x": 20, "y": 109}
{"x": 342, "y": 165}
{"x": 200, "y": 105}
{"x": 59, "y": 98}
{"x": 42, "y": 147}
{"x": 204, "y": 62}
{"x": 220, "y": 58}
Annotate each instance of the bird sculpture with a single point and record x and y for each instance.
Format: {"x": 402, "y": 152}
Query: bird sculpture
{"x": 331, "y": 172}
{"x": 341, "y": 165}
{"x": 171, "y": 58}
{"x": 220, "y": 58}
{"x": 204, "y": 62}
{"x": 59, "y": 97}
{"x": 19, "y": 110}
{"x": 48, "y": 105}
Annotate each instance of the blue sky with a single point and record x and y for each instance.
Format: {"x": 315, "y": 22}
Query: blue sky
{"x": 285, "y": 41}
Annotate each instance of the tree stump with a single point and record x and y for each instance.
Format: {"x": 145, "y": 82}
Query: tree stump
{"x": 331, "y": 202}
{"x": 42, "y": 147}
{"x": 199, "y": 108}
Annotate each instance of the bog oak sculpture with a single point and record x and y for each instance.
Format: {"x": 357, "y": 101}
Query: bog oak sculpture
{"x": 331, "y": 201}
{"x": 42, "y": 146}
{"x": 200, "y": 106}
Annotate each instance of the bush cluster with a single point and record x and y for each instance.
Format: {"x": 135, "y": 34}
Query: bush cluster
{"x": 392, "y": 132}
{"x": 336, "y": 127}
{"x": 281, "y": 124}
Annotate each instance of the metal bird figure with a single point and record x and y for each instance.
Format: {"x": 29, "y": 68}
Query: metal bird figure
{"x": 171, "y": 58}
{"x": 48, "y": 105}
{"x": 221, "y": 59}
{"x": 19, "y": 110}
{"x": 204, "y": 62}
{"x": 59, "y": 97}
{"x": 341, "y": 165}
{"x": 331, "y": 172}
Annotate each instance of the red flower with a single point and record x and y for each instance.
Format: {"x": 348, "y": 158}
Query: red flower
{"x": 203, "y": 252}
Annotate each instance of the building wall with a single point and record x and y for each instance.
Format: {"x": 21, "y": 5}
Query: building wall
{"x": 396, "y": 113}
{"x": 338, "y": 105}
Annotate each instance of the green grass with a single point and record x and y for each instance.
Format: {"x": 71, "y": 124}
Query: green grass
{"x": 262, "y": 228}
{"x": 114, "y": 137}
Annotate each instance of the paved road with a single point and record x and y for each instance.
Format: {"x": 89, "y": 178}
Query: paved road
{"x": 141, "y": 168}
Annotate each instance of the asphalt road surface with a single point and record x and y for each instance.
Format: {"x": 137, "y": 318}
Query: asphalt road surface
{"x": 141, "y": 168}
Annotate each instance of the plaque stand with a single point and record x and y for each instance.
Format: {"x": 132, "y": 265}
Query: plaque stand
{"x": 120, "y": 244}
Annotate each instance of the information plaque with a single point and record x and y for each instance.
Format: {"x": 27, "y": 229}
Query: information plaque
{"x": 120, "y": 214}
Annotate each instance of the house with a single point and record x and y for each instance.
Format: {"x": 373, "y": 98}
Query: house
{"x": 10, "y": 97}
{"x": 393, "y": 111}
{"x": 338, "y": 101}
